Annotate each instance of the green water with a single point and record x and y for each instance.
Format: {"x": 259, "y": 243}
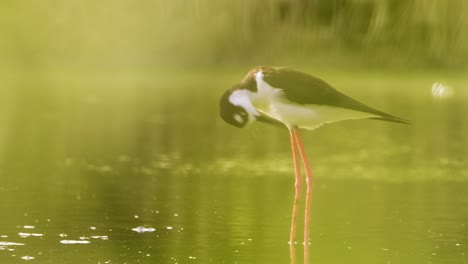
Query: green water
{"x": 86, "y": 158}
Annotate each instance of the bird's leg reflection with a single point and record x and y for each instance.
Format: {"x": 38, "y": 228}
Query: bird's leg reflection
{"x": 292, "y": 253}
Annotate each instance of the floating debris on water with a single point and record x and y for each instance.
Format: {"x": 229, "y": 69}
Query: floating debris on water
{"x": 29, "y": 227}
{"x": 169, "y": 227}
{"x": 100, "y": 237}
{"x": 6, "y": 244}
{"x": 142, "y": 229}
{"x": 63, "y": 235}
{"x": 92, "y": 227}
{"x": 22, "y": 234}
{"x": 72, "y": 242}
{"x": 27, "y": 258}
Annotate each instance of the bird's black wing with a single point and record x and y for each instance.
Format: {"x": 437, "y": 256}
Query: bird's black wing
{"x": 303, "y": 88}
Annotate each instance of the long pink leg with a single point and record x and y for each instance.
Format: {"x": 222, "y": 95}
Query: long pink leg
{"x": 297, "y": 184}
{"x": 308, "y": 173}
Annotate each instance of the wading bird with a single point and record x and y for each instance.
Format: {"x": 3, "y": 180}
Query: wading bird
{"x": 297, "y": 100}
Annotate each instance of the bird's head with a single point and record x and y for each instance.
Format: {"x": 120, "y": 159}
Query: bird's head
{"x": 236, "y": 108}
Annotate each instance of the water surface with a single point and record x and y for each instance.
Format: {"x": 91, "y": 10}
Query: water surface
{"x": 139, "y": 168}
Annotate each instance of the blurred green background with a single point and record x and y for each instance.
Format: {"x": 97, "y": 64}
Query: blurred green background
{"x": 109, "y": 122}
{"x": 139, "y": 35}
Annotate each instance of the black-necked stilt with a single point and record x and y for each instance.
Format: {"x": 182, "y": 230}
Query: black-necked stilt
{"x": 297, "y": 100}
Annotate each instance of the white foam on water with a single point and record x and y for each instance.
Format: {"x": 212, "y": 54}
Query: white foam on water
{"x": 6, "y": 243}
{"x": 23, "y": 234}
{"x": 142, "y": 229}
{"x": 74, "y": 242}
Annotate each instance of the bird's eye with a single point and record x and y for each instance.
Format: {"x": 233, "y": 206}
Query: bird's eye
{"x": 238, "y": 118}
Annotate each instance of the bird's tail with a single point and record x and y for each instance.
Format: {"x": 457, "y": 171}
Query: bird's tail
{"x": 394, "y": 119}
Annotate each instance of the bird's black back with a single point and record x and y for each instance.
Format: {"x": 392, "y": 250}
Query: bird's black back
{"x": 306, "y": 89}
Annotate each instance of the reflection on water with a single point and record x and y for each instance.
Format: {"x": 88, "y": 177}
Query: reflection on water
{"x": 127, "y": 173}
